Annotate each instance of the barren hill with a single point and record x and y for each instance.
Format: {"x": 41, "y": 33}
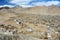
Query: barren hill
{"x": 47, "y": 10}
{"x": 34, "y": 23}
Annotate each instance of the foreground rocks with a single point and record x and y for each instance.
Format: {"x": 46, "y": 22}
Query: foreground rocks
{"x": 30, "y": 27}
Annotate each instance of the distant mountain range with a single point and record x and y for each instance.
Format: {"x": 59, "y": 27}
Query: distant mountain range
{"x": 46, "y": 10}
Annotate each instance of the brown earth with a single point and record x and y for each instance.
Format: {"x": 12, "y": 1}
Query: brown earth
{"x": 34, "y": 22}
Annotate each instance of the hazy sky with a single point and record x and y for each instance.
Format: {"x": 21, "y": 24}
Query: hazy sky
{"x": 29, "y": 3}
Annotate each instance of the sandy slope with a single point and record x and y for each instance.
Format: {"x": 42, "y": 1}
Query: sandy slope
{"x": 34, "y": 21}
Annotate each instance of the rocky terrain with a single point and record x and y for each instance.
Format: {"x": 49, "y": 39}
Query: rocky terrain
{"x": 35, "y": 23}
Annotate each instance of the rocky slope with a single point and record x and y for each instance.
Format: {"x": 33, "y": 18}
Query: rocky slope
{"x": 35, "y": 23}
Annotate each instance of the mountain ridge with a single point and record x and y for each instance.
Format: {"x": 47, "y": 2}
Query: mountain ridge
{"x": 35, "y": 10}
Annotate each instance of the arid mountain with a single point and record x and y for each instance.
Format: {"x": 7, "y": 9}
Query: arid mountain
{"x": 33, "y": 23}
{"x": 47, "y": 10}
